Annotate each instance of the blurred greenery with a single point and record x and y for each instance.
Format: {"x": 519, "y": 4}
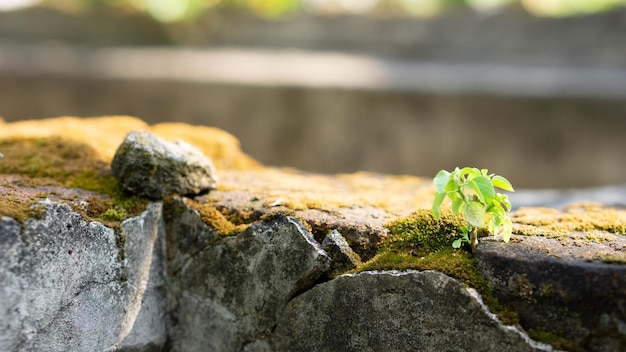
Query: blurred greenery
{"x": 188, "y": 10}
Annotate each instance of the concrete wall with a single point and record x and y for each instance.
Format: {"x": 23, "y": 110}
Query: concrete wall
{"x": 437, "y": 94}
{"x": 535, "y": 142}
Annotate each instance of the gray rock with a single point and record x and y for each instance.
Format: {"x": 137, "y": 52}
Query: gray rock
{"x": 149, "y": 166}
{"x": 186, "y": 232}
{"x": 342, "y": 256}
{"x": 558, "y": 285}
{"x": 393, "y": 311}
{"x": 10, "y": 284}
{"x": 145, "y": 323}
{"x": 232, "y": 291}
{"x": 65, "y": 286}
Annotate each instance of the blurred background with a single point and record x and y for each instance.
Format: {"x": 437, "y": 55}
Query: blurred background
{"x": 534, "y": 90}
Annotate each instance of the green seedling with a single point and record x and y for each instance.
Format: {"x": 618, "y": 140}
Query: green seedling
{"x": 472, "y": 192}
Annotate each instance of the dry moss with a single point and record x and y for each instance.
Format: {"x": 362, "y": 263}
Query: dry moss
{"x": 102, "y": 134}
{"x": 614, "y": 258}
{"x": 211, "y": 216}
{"x": 17, "y": 207}
{"x": 105, "y": 134}
{"x": 222, "y": 147}
{"x": 582, "y": 217}
{"x": 298, "y": 190}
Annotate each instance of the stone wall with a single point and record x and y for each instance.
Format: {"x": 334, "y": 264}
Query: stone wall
{"x": 278, "y": 259}
{"x": 67, "y": 285}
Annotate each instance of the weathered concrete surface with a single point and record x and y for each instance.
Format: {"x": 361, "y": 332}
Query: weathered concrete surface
{"x": 66, "y": 286}
{"x": 393, "y": 311}
{"x": 230, "y": 292}
{"x": 151, "y": 167}
{"x": 323, "y": 129}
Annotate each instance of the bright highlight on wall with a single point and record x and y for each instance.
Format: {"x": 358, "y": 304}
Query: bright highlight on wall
{"x": 9, "y": 5}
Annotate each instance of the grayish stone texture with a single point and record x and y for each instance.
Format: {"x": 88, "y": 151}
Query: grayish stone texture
{"x": 65, "y": 285}
{"x": 393, "y": 311}
{"x": 230, "y": 293}
{"x": 555, "y": 284}
{"x": 149, "y": 166}
{"x": 342, "y": 256}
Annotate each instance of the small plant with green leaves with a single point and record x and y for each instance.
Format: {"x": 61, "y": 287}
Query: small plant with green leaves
{"x": 472, "y": 192}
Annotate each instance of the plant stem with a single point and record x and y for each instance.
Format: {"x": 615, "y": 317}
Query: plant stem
{"x": 474, "y": 240}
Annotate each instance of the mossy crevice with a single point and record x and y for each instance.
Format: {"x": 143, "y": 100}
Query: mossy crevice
{"x": 555, "y": 339}
{"x": 421, "y": 242}
{"x": 420, "y": 233}
{"x": 212, "y": 216}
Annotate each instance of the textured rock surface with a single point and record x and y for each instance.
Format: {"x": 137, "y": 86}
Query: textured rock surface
{"x": 230, "y": 293}
{"x": 258, "y": 290}
{"x": 342, "y": 256}
{"x": 152, "y": 167}
{"x": 554, "y": 285}
{"x": 392, "y": 311}
{"x": 66, "y": 287}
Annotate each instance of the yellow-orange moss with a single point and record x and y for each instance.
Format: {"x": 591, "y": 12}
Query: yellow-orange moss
{"x": 105, "y": 134}
{"x": 582, "y": 217}
{"x": 211, "y": 216}
{"x": 222, "y": 147}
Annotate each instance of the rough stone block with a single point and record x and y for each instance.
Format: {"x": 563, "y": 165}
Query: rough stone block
{"x": 152, "y": 167}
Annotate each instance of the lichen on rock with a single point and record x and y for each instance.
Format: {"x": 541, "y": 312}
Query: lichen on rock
{"x": 149, "y": 166}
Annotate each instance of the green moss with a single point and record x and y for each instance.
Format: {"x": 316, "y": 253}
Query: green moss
{"x": 454, "y": 263}
{"x": 115, "y": 214}
{"x": 420, "y": 233}
{"x": 555, "y": 339}
{"x": 422, "y": 243}
{"x": 63, "y": 163}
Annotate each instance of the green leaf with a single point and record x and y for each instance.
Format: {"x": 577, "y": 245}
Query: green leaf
{"x": 483, "y": 188}
{"x": 441, "y": 180}
{"x": 456, "y": 204}
{"x": 439, "y": 197}
{"x": 504, "y": 200}
{"x": 505, "y": 229}
{"x": 457, "y": 243}
{"x": 474, "y": 213}
{"x": 503, "y": 183}
{"x": 470, "y": 172}
{"x": 497, "y": 210}
{"x": 451, "y": 186}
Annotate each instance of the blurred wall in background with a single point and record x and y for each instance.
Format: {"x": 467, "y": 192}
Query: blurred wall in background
{"x": 541, "y": 101}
